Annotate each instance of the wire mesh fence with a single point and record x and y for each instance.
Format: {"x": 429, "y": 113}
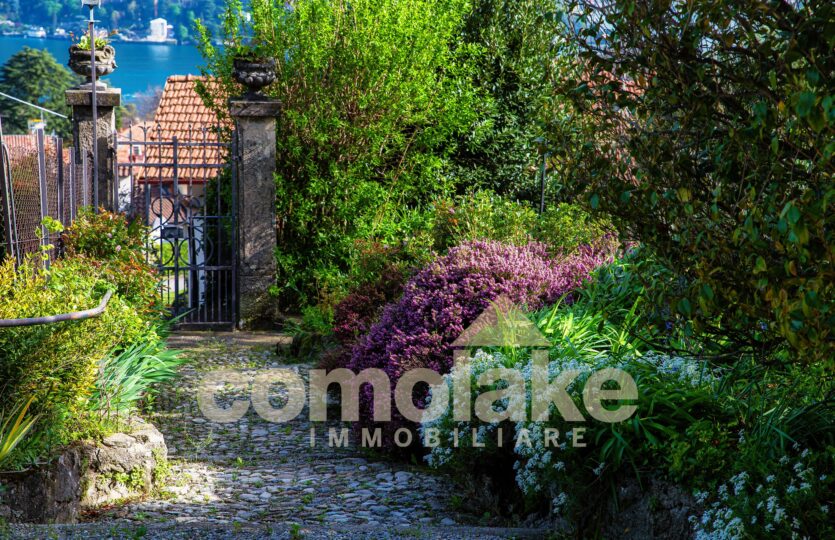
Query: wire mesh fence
{"x": 39, "y": 179}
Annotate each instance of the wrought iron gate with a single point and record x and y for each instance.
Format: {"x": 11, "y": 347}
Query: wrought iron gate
{"x": 183, "y": 186}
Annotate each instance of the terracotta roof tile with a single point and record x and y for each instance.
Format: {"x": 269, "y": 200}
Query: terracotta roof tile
{"x": 182, "y": 114}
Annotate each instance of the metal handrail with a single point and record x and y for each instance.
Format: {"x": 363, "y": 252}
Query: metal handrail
{"x": 32, "y": 105}
{"x": 72, "y": 316}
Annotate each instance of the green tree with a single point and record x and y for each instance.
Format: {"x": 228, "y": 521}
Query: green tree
{"x": 35, "y": 76}
{"x": 516, "y": 70}
{"x": 182, "y": 33}
{"x": 711, "y": 133}
{"x": 9, "y": 9}
{"x": 52, "y": 8}
{"x": 374, "y": 99}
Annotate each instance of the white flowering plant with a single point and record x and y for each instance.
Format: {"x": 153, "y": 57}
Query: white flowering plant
{"x": 697, "y": 418}
{"x": 793, "y": 500}
{"x": 671, "y": 390}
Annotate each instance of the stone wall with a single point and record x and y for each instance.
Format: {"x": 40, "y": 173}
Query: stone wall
{"x": 107, "y": 101}
{"x": 84, "y": 476}
{"x": 255, "y": 122}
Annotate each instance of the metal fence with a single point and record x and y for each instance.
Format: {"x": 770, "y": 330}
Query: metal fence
{"x": 181, "y": 183}
{"x": 39, "y": 179}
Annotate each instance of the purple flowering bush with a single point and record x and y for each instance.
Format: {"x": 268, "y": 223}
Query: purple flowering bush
{"x": 354, "y": 315}
{"x": 441, "y": 300}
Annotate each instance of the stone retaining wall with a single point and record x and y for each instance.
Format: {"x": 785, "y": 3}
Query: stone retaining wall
{"x": 85, "y": 475}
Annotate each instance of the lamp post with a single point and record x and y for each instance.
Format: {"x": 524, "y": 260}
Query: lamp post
{"x": 91, "y": 32}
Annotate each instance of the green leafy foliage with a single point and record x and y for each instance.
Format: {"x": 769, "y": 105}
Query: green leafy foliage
{"x": 785, "y": 502}
{"x": 131, "y": 375}
{"x": 57, "y": 364}
{"x": 372, "y": 95}
{"x": 13, "y": 429}
{"x": 35, "y": 76}
{"x": 484, "y": 215}
{"x": 84, "y": 42}
{"x": 710, "y": 138}
{"x": 117, "y": 248}
{"x": 82, "y": 375}
{"x": 481, "y": 216}
{"x": 518, "y": 64}
{"x": 697, "y": 423}
{"x": 387, "y": 106}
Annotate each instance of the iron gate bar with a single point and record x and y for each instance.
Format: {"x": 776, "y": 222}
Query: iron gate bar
{"x": 179, "y": 183}
{"x": 72, "y": 187}
{"x": 59, "y": 153}
{"x": 176, "y": 221}
{"x": 5, "y": 194}
{"x": 85, "y": 188}
{"x": 236, "y": 164}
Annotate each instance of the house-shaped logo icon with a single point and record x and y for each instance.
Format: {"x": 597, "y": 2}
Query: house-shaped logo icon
{"x": 501, "y": 324}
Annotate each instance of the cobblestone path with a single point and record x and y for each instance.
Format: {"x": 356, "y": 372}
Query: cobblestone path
{"x": 258, "y": 479}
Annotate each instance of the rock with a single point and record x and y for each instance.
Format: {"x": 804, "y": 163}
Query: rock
{"x": 659, "y": 511}
{"x": 119, "y": 440}
{"x": 402, "y": 476}
{"x": 85, "y": 475}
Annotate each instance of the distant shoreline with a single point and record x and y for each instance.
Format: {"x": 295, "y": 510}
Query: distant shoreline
{"x": 171, "y": 43}
{"x": 143, "y": 68}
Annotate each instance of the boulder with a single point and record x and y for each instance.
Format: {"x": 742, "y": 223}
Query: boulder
{"x": 658, "y": 511}
{"x": 85, "y": 475}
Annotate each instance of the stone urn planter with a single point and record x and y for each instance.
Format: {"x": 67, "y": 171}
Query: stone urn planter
{"x": 80, "y": 61}
{"x": 254, "y": 74}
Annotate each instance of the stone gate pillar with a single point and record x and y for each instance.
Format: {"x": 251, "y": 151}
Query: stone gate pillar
{"x": 255, "y": 123}
{"x": 107, "y": 99}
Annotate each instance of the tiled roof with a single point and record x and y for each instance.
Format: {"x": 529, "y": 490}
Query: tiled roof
{"x": 182, "y": 114}
{"x": 124, "y": 152}
{"x": 21, "y": 141}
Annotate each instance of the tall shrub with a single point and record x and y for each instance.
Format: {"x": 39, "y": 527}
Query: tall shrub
{"x": 117, "y": 247}
{"x": 372, "y": 94}
{"x": 441, "y": 300}
{"x": 64, "y": 366}
{"x": 57, "y": 364}
{"x": 710, "y": 138}
{"x": 516, "y": 69}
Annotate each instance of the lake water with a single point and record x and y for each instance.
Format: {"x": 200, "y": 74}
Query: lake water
{"x": 142, "y": 66}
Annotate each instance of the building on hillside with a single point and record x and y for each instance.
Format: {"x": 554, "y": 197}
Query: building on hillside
{"x": 160, "y": 31}
{"x": 130, "y": 155}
